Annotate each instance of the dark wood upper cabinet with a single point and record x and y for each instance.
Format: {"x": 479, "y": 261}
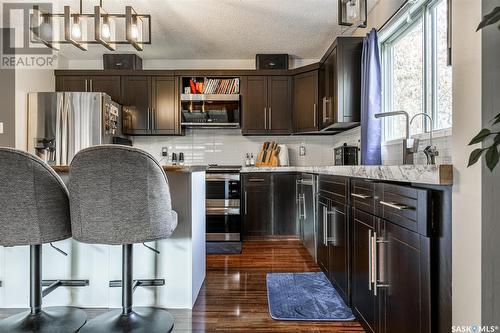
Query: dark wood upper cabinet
{"x": 72, "y": 83}
{"x": 266, "y": 105}
{"x": 279, "y": 105}
{"x": 110, "y": 85}
{"x": 136, "y": 92}
{"x": 150, "y": 105}
{"x": 305, "y": 102}
{"x": 166, "y": 117}
{"x": 254, "y": 89}
{"x": 340, "y": 84}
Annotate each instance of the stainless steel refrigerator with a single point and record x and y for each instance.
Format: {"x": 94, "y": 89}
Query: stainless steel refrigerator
{"x": 62, "y": 123}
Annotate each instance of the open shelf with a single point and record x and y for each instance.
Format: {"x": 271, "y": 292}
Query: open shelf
{"x": 209, "y": 97}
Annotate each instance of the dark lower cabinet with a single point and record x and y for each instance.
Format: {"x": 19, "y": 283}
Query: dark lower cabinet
{"x": 257, "y": 204}
{"x": 365, "y": 302}
{"x": 269, "y": 204}
{"x": 284, "y": 218}
{"x": 404, "y": 261}
{"x": 338, "y": 248}
{"x": 391, "y": 275}
{"x": 322, "y": 239}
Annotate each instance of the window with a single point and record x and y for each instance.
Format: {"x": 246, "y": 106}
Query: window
{"x": 415, "y": 72}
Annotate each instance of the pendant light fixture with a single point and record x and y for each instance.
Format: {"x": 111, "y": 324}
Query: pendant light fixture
{"x": 106, "y": 27}
{"x": 352, "y": 12}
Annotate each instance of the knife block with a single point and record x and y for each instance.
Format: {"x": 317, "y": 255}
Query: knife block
{"x": 267, "y": 158}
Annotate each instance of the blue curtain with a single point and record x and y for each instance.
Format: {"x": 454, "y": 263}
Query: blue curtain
{"x": 371, "y": 101}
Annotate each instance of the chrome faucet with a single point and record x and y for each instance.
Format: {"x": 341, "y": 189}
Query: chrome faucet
{"x": 410, "y": 146}
{"x": 430, "y": 151}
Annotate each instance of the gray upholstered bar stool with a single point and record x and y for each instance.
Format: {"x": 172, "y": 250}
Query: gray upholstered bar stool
{"x": 120, "y": 196}
{"x": 35, "y": 210}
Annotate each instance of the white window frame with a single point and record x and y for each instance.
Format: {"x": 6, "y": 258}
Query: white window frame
{"x": 411, "y": 15}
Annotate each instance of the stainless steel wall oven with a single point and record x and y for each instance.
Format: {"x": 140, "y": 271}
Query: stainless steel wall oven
{"x": 223, "y": 193}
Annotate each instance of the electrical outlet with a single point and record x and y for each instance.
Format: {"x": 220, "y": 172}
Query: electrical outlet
{"x": 164, "y": 151}
{"x": 302, "y": 150}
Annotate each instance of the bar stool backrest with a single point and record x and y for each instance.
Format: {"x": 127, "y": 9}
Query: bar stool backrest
{"x": 34, "y": 203}
{"x": 119, "y": 195}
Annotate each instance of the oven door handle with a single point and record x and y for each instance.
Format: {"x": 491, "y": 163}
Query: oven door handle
{"x": 216, "y": 178}
{"x": 222, "y": 211}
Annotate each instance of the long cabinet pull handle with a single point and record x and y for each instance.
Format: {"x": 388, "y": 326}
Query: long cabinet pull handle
{"x": 91, "y": 85}
{"x": 153, "y": 120}
{"x": 256, "y": 179}
{"x": 395, "y": 205}
{"x": 374, "y": 263}
{"x": 246, "y": 202}
{"x": 265, "y": 118}
{"x": 149, "y": 120}
{"x": 381, "y": 264}
{"x": 370, "y": 259}
{"x": 270, "y": 118}
{"x": 86, "y": 85}
{"x": 304, "y": 206}
{"x": 315, "y": 115}
{"x": 361, "y": 196}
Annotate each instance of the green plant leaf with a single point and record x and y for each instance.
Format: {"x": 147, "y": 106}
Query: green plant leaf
{"x": 474, "y": 156}
{"x": 490, "y": 18}
{"x": 492, "y": 157}
{"x": 484, "y": 133}
{"x": 496, "y": 140}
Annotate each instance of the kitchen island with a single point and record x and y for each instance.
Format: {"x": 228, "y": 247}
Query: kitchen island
{"x": 181, "y": 261}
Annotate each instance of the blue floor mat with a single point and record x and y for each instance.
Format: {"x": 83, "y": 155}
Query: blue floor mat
{"x": 305, "y": 296}
{"x": 223, "y": 247}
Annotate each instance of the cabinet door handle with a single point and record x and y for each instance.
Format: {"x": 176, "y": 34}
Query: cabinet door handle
{"x": 91, "y": 85}
{"x": 370, "y": 258}
{"x": 265, "y": 118}
{"x": 86, "y": 85}
{"x": 246, "y": 203}
{"x": 153, "y": 118}
{"x": 270, "y": 118}
{"x": 304, "y": 206}
{"x": 374, "y": 263}
{"x": 324, "y": 109}
{"x": 381, "y": 264}
{"x": 395, "y": 205}
{"x": 315, "y": 115}
{"x": 361, "y": 196}
{"x": 148, "y": 119}
{"x": 255, "y": 180}
{"x": 325, "y": 226}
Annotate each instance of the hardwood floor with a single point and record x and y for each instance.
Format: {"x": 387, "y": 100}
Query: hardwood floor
{"x": 234, "y": 297}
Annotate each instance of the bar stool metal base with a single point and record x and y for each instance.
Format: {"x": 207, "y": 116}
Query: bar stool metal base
{"x": 61, "y": 319}
{"x": 140, "y": 320}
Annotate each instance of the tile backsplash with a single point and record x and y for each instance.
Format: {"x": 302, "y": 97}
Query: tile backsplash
{"x": 228, "y": 146}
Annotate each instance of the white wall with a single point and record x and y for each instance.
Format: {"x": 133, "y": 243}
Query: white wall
{"x": 466, "y": 215}
{"x": 29, "y": 80}
{"x": 379, "y": 15}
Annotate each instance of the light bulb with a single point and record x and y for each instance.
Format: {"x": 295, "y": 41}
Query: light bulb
{"x": 134, "y": 31}
{"x": 45, "y": 30}
{"x": 76, "y": 31}
{"x": 352, "y": 10}
{"x": 105, "y": 30}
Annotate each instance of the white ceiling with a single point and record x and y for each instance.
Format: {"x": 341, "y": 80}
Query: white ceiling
{"x": 224, "y": 29}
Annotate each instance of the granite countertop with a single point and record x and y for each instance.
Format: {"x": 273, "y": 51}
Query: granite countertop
{"x": 167, "y": 168}
{"x": 422, "y": 174}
